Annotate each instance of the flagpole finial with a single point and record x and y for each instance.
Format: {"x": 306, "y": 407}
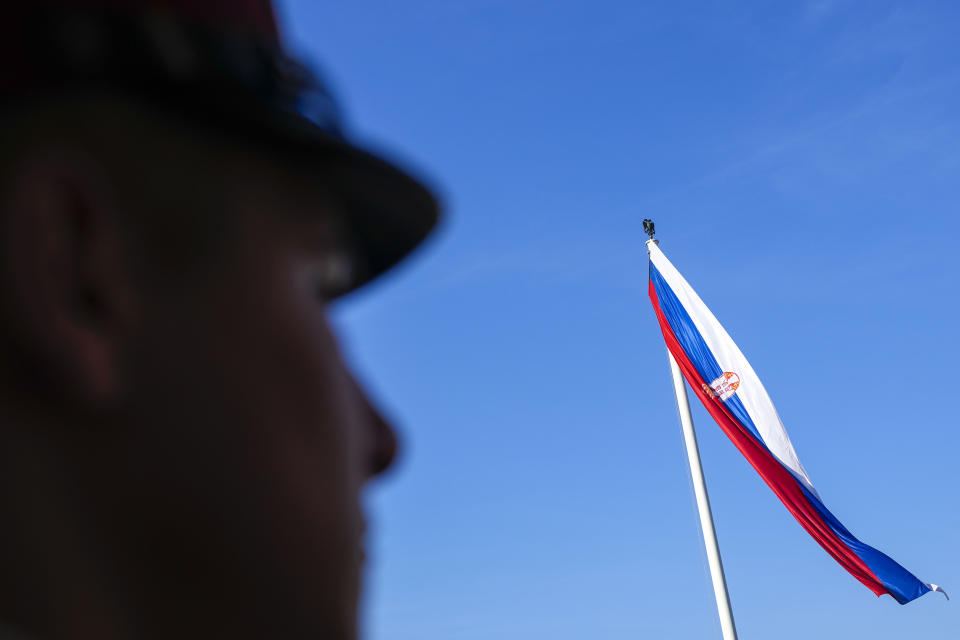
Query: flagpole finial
{"x": 648, "y": 227}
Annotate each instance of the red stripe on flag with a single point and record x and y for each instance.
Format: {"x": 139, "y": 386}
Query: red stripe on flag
{"x": 777, "y": 477}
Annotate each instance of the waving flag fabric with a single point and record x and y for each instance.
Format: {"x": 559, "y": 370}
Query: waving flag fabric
{"x": 730, "y": 390}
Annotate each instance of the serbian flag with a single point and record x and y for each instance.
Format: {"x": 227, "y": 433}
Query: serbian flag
{"x": 730, "y": 390}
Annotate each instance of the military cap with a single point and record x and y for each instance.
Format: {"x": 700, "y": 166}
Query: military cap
{"x": 222, "y": 62}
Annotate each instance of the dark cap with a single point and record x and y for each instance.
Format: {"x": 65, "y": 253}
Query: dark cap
{"x": 220, "y": 61}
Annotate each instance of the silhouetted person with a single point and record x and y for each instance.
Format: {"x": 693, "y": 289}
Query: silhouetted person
{"x": 182, "y": 449}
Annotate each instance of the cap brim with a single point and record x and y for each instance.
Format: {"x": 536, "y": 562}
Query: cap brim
{"x": 389, "y": 211}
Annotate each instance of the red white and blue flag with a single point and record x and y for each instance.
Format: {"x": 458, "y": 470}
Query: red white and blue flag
{"x": 730, "y": 390}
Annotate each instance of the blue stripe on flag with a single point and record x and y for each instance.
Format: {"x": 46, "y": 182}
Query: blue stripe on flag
{"x": 902, "y": 585}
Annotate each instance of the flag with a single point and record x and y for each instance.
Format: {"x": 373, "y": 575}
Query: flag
{"x": 733, "y": 394}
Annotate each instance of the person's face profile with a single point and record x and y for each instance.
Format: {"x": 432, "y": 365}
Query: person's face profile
{"x": 268, "y": 439}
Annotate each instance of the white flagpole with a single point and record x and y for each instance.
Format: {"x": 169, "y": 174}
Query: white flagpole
{"x": 703, "y": 505}
{"x": 703, "y": 500}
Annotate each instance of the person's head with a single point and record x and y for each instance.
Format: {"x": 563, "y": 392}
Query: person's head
{"x": 182, "y": 449}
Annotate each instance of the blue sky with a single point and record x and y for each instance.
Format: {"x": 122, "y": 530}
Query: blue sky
{"x": 801, "y": 162}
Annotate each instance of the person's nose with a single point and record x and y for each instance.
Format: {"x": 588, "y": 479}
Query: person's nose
{"x": 383, "y": 443}
{"x": 386, "y": 444}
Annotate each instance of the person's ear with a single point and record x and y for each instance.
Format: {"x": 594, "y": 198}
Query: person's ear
{"x": 67, "y": 288}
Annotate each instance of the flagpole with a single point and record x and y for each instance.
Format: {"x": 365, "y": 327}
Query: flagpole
{"x": 703, "y": 505}
{"x": 724, "y": 611}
